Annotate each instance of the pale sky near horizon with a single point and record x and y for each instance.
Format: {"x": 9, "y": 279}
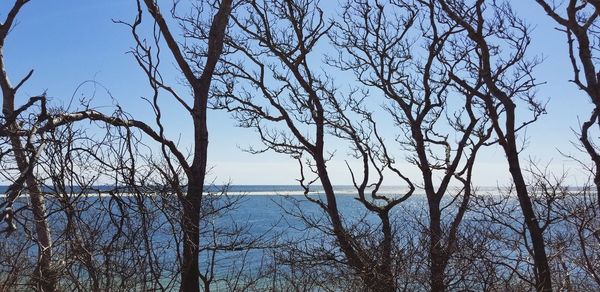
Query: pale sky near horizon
{"x": 68, "y": 42}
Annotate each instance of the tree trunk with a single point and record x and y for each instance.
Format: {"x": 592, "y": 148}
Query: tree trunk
{"x": 192, "y": 203}
{"x": 543, "y": 274}
{"x": 436, "y": 250}
{"x": 190, "y": 268}
{"x": 377, "y": 276}
{"x": 379, "y": 284}
{"x": 44, "y": 277}
{"x": 591, "y": 149}
{"x": 386, "y": 254}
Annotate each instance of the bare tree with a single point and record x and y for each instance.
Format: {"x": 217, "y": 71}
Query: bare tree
{"x": 115, "y": 215}
{"x": 455, "y": 77}
{"x": 25, "y": 157}
{"x": 579, "y": 21}
{"x": 200, "y": 82}
{"x": 569, "y": 219}
{"x": 404, "y": 50}
{"x": 507, "y": 78}
{"x": 198, "y": 75}
{"x": 198, "y": 68}
{"x": 296, "y": 110}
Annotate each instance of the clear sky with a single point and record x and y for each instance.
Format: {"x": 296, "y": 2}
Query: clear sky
{"x": 68, "y": 42}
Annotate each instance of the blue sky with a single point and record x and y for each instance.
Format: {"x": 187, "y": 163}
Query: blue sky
{"x": 68, "y": 42}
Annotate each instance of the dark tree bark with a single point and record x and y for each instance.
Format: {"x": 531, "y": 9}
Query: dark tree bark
{"x": 499, "y": 96}
{"x": 377, "y": 43}
{"x": 196, "y": 172}
{"x": 199, "y": 80}
{"x": 581, "y": 25}
{"x": 299, "y": 112}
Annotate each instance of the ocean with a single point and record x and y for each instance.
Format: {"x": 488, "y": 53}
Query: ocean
{"x": 241, "y": 240}
{"x": 266, "y": 214}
